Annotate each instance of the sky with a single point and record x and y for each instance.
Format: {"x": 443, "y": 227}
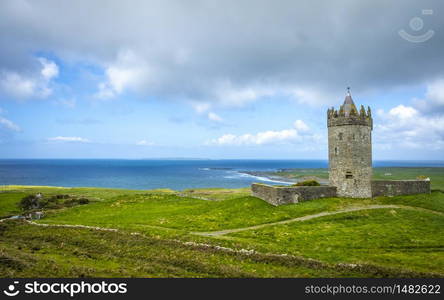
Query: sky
{"x": 217, "y": 79}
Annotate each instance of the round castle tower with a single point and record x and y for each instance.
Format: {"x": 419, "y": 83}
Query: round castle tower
{"x": 350, "y": 149}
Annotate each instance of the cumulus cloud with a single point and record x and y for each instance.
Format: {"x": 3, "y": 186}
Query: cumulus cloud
{"x": 405, "y": 126}
{"x": 127, "y": 72}
{"x": 49, "y": 69}
{"x": 73, "y": 139}
{"x": 230, "y": 53}
{"x": 266, "y": 137}
{"x": 30, "y": 85}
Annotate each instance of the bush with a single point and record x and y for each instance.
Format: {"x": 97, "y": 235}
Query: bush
{"x": 307, "y": 183}
{"x": 30, "y": 202}
{"x": 83, "y": 201}
{"x": 37, "y": 201}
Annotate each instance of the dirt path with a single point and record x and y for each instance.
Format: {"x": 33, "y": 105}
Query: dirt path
{"x": 314, "y": 216}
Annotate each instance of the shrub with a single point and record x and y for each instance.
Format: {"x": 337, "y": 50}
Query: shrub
{"x": 30, "y": 202}
{"x": 307, "y": 183}
{"x": 83, "y": 201}
{"x": 37, "y": 201}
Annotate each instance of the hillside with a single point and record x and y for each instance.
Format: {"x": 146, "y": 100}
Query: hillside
{"x": 222, "y": 233}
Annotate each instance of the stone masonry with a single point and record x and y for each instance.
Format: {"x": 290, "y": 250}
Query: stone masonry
{"x": 350, "y": 149}
{"x": 400, "y": 187}
{"x": 278, "y": 195}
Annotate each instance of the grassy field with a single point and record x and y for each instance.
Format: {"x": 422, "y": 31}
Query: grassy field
{"x": 158, "y": 231}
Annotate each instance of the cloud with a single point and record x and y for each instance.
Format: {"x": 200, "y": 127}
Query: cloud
{"x": 201, "y": 107}
{"x": 433, "y": 101}
{"x": 228, "y": 95}
{"x": 9, "y": 125}
{"x": 301, "y": 126}
{"x": 49, "y": 69}
{"x": 73, "y": 139}
{"x": 127, "y": 72}
{"x": 30, "y": 85}
{"x": 214, "y": 117}
{"x": 406, "y": 127}
{"x": 227, "y": 53}
{"x": 144, "y": 143}
{"x": 266, "y": 137}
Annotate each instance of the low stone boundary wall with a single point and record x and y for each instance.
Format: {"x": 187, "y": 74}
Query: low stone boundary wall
{"x": 400, "y": 187}
{"x": 278, "y": 195}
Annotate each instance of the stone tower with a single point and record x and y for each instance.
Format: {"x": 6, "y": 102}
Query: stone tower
{"x": 350, "y": 149}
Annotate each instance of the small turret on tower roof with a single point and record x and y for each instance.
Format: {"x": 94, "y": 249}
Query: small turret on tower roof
{"x": 348, "y": 114}
{"x": 349, "y": 105}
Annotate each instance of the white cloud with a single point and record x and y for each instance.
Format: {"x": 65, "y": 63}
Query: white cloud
{"x": 7, "y": 124}
{"x": 144, "y": 143}
{"x": 405, "y": 126}
{"x": 49, "y": 70}
{"x": 74, "y": 139}
{"x": 402, "y": 112}
{"x": 201, "y": 107}
{"x": 16, "y": 85}
{"x": 30, "y": 85}
{"x": 266, "y": 137}
{"x": 301, "y": 126}
{"x": 128, "y": 72}
{"x": 214, "y": 117}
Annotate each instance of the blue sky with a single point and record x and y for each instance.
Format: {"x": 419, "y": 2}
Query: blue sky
{"x": 154, "y": 79}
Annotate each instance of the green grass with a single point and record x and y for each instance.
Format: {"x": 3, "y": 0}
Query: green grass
{"x": 435, "y": 174}
{"x": 401, "y": 239}
{"x": 189, "y": 214}
{"x": 8, "y": 203}
{"x": 433, "y": 201}
{"x": 397, "y": 238}
{"x": 27, "y": 250}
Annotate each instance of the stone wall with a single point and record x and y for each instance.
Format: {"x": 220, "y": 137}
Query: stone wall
{"x": 400, "y": 187}
{"x": 277, "y": 195}
{"x": 350, "y": 160}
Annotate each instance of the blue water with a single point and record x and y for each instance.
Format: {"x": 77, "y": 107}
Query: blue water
{"x": 151, "y": 174}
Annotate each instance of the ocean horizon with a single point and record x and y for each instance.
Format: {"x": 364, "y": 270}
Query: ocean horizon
{"x": 173, "y": 173}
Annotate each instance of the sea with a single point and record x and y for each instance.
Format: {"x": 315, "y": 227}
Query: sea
{"x": 144, "y": 174}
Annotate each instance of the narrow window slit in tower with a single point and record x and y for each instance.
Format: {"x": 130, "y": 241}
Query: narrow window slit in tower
{"x": 348, "y": 175}
{"x": 336, "y": 151}
{"x": 340, "y": 136}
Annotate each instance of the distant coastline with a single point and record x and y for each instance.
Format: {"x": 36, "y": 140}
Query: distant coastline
{"x": 185, "y": 174}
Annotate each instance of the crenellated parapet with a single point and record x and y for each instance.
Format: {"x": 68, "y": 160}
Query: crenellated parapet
{"x": 349, "y": 116}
